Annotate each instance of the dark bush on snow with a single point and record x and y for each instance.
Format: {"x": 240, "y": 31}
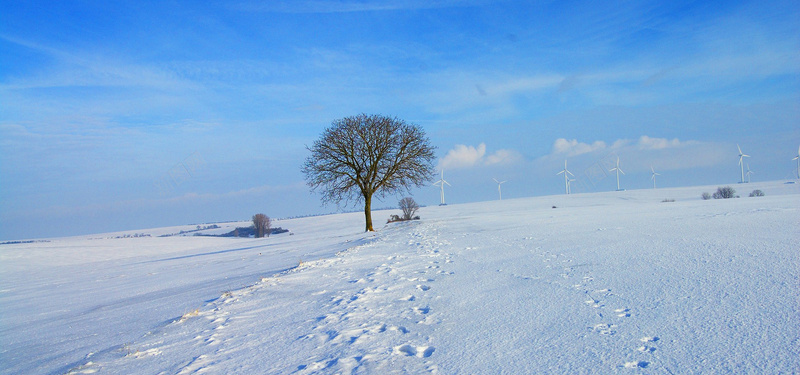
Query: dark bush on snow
{"x": 757, "y": 193}
{"x": 725, "y": 193}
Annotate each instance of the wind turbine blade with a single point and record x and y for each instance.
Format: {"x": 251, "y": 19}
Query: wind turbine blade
{"x": 570, "y": 173}
{"x": 740, "y": 149}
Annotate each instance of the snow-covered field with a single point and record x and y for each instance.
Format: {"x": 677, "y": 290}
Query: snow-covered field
{"x": 616, "y": 282}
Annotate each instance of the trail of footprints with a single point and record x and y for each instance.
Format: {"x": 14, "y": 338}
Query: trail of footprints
{"x": 611, "y": 318}
{"x": 357, "y": 320}
{"x": 349, "y": 334}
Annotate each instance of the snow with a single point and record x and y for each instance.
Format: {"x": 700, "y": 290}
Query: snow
{"x": 617, "y": 282}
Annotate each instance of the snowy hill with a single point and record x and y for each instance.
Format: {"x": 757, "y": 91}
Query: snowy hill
{"x": 618, "y": 282}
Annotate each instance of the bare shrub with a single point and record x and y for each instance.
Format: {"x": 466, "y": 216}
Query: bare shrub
{"x": 706, "y": 196}
{"x": 757, "y": 193}
{"x": 724, "y": 193}
{"x": 262, "y": 224}
{"x": 409, "y": 207}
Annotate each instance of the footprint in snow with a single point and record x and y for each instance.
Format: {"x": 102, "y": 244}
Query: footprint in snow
{"x": 422, "y": 310}
{"x": 646, "y": 349}
{"x": 196, "y": 365}
{"x": 86, "y": 368}
{"x": 146, "y": 353}
{"x": 594, "y": 303}
{"x": 636, "y": 364}
{"x": 423, "y": 287}
{"x": 400, "y": 329}
{"x": 415, "y": 351}
{"x": 605, "y": 329}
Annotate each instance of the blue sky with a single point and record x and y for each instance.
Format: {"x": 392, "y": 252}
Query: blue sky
{"x": 126, "y": 115}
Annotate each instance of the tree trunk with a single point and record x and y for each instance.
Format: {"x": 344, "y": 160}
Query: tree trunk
{"x": 368, "y": 212}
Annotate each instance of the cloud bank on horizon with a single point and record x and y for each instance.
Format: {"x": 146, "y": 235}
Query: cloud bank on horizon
{"x": 644, "y": 148}
{"x": 102, "y": 104}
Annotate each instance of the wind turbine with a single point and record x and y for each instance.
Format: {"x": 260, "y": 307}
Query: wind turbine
{"x": 741, "y": 164}
{"x": 654, "y": 176}
{"x": 566, "y": 178}
{"x": 749, "y": 172}
{"x": 499, "y": 192}
{"x": 798, "y": 162}
{"x": 569, "y": 185}
{"x": 618, "y": 172}
{"x": 441, "y": 183}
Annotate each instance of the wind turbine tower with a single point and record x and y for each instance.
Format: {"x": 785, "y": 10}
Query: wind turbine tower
{"x": 798, "y": 162}
{"x": 654, "y": 176}
{"x": 499, "y": 192}
{"x": 741, "y": 164}
{"x": 749, "y": 172}
{"x": 566, "y": 177}
{"x": 441, "y": 183}
{"x": 618, "y": 170}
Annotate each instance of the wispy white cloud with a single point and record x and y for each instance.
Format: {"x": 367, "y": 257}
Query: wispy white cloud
{"x": 647, "y": 143}
{"x": 82, "y": 69}
{"x": 463, "y": 156}
{"x": 574, "y": 148}
{"x": 503, "y": 157}
{"x": 639, "y": 154}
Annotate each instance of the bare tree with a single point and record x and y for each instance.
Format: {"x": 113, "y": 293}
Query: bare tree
{"x": 409, "y": 207}
{"x": 262, "y": 225}
{"x": 359, "y": 156}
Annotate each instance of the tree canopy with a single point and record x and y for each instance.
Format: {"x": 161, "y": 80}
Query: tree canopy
{"x": 365, "y": 155}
